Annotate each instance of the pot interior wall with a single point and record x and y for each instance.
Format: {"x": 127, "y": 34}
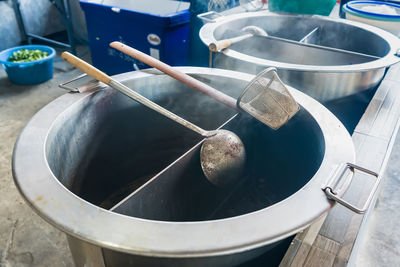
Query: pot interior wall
{"x": 106, "y": 146}
{"x": 279, "y": 163}
{"x": 287, "y": 52}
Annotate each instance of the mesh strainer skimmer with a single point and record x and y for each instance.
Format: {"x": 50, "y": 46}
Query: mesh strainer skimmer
{"x": 267, "y": 99}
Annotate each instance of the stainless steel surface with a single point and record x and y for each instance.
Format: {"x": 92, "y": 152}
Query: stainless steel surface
{"x": 71, "y": 162}
{"x": 85, "y": 254}
{"x": 331, "y": 189}
{"x": 324, "y": 74}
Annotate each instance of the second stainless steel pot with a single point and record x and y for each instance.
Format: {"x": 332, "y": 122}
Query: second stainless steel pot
{"x": 323, "y": 74}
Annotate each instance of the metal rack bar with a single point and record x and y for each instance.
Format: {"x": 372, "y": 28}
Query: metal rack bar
{"x": 44, "y": 39}
{"x": 65, "y": 14}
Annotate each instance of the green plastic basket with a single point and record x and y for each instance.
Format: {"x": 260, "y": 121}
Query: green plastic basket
{"x": 320, "y": 7}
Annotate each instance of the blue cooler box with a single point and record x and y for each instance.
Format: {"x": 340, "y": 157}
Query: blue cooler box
{"x": 159, "y": 28}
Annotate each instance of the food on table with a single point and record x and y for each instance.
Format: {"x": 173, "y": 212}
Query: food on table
{"x": 25, "y": 55}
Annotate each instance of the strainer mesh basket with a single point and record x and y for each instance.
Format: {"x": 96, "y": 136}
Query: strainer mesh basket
{"x": 267, "y": 99}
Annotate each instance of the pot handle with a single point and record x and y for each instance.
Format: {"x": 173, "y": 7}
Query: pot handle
{"x": 83, "y": 86}
{"x": 335, "y": 183}
{"x": 394, "y": 58}
{"x": 210, "y": 16}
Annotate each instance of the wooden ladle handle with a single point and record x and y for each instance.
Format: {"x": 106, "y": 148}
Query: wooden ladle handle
{"x": 219, "y": 45}
{"x": 180, "y": 76}
{"x": 86, "y": 68}
{"x": 225, "y": 43}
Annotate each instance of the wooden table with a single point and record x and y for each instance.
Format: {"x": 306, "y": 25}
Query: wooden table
{"x": 333, "y": 239}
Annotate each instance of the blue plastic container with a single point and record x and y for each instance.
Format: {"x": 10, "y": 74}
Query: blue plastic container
{"x": 26, "y": 73}
{"x": 161, "y": 30}
{"x": 377, "y": 13}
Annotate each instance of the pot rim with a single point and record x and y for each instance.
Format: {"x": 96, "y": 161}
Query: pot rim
{"x": 207, "y": 37}
{"x": 52, "y": 201}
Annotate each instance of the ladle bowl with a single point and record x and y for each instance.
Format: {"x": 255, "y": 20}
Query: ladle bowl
{"x": 223, "y": 158}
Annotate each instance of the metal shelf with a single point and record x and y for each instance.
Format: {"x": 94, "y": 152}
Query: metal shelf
{"x": 63, "y": 7}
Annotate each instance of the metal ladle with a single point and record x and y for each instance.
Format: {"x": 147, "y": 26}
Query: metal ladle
{"x": 222, "y": 155}
{"x": 225, "y": 43}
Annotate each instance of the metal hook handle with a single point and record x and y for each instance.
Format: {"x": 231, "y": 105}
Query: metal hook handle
{"x": 331, "y": 193}
{"x": 210, "y": 16}
{"x": 86, "y": 86}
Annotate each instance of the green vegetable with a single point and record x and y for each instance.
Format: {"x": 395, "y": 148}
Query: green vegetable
{"x": 25, "y": 55}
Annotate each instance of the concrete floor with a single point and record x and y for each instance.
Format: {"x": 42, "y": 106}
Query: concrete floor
{"x": 380, "y": 244}
{"x": 27, "y": 240}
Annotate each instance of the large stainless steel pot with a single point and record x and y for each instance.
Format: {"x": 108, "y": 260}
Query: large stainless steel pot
{"x": 80, "y": 157}
{"x": 324, "y": 74}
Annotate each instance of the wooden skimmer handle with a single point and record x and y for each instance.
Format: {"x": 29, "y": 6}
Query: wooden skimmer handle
{"x": 86, "y": 68}
{"x": 225, "y": 43}
{"x": 219, "y": 45}
{"x": 174, "y": 73}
